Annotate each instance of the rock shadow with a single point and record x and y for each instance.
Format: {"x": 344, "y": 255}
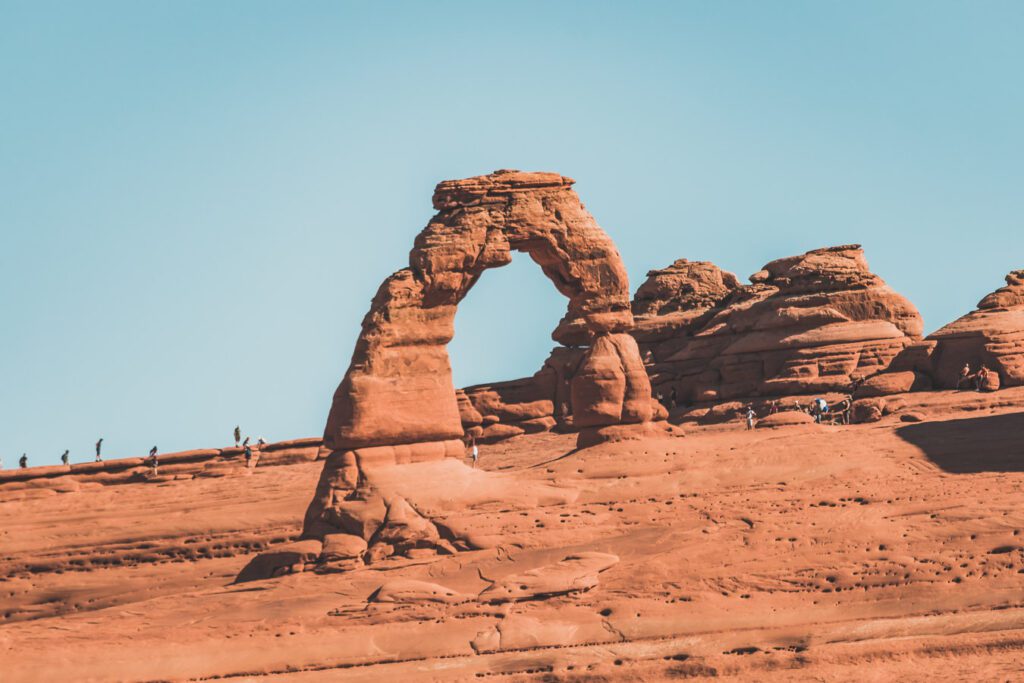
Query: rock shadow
{"x": 994, "y": 443}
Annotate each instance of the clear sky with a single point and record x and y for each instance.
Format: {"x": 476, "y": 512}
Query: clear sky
{"x": 198, "y": 199}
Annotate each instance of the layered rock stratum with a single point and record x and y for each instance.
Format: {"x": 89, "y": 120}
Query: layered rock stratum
{"x": 808, "y": 324}
{"x": 991, "y": 336}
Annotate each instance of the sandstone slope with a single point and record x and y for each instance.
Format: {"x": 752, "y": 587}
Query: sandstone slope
{"x": 891, "y": 550}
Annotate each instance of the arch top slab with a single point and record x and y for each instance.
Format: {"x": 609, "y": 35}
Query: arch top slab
{"x": 398, "y": 389}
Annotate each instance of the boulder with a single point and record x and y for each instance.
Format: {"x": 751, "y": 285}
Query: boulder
{"x": 284, "y": 559}
{"x": 783, "y": 419}
{"x": 405, "y": 529}
{"x": 341, "y": 552}
{"x": 499, "y": 432}
{"x": 537, "y": 425}
{"x": 887, "y": 383}
{"x": 867, "y": 410}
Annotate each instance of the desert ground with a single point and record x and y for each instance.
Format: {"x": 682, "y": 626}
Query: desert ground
{"x": 882, "y": 551}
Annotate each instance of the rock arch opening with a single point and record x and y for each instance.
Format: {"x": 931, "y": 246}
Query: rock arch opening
{"x": 503, "y": 326}
{"x": 397, "y": 403}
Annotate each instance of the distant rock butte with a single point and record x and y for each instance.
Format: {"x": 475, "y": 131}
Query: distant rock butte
{"x": 991, "y": 335}
{"x": 807, "y": 324}
{"x": 397, "y": 403}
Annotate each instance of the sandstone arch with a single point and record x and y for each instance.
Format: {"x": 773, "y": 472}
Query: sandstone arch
{"x": 397, "y": 402}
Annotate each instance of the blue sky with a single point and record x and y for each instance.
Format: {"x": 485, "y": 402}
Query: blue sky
{"x": 198, "y": 199}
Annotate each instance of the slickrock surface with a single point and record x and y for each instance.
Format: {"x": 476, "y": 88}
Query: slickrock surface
{"x": 808, "y": 324}
{"x": 883, "y": 551}
{"x": 397, "y": 402}
{"x": 991, "y": 335}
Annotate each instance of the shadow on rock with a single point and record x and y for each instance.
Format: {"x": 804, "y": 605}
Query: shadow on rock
{"x": 979, "y": 444}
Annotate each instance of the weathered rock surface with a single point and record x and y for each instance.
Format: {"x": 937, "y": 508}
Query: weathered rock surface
{"x": 806, "y": 324}
{"x": 413, "y": 591}
{"x": 573, "y": 574}
{"x": 991, "y": 336}
{"x": 672, "y": 300}
{"x": 287, "y": 559}
{"x": 828, "y": 552}
{"x": 398, "y": 390}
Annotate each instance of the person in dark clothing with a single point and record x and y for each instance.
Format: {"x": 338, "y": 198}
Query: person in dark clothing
{"x": 245, "y": 444}
{"x": 64, "y": 457}
{"x": 248, "y": 456}
{"x": 238, "y": 434}
{"x": 153, "y": 460}
{"x": 99, "y": 446}
{"x": 673, "y": 399}
{"x": 23, "y": 461}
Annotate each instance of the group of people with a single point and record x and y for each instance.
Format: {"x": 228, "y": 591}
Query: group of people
{"x": 818, "y": 408}
{"x": 65, "y": 457}
{"x": 250, "y": 459}
{"x": 153, "y": 461}
{"x": 973, "y": 380}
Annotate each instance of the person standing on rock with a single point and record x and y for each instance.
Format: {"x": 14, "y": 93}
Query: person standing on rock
{"x": 965, "y": 375}
{"x": 751, "y": 415}
{"x": 64, "y": 457}
{"x": 673, "y": 399}
{"x": 238, "y": 435}
{"x": 23, "y": 461}
{"x": 248, "y": 455}
{"x": 845, "y": 406}
{"x": 99, "y": 447}
{"x": 153, "y": 460}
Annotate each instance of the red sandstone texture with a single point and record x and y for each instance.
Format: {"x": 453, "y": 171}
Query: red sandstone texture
{"x": 794, "y": 551}
{"x": 884, "y": 551}
{"x": 397, "y": 403}
{"x": 398, "y": 389}
{"x": 991, "y": 336}
{"x": 806, "y": 325}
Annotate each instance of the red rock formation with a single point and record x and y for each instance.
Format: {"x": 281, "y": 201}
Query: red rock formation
{"x": 807, "y": 324}
{"x": 499, "y": 410}
{"x": 673, "y": 299}
{"x": 991, "y": 335}
{"x": 397, "y": 402}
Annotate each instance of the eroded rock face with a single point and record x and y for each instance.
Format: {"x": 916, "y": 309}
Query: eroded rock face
{"x": 672, "y": 300}
{"x": 398, "y": 389}
{"x": 991, "y": 336}
{"x": 807, "y": 324}
{"x": 397, "y": 400}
